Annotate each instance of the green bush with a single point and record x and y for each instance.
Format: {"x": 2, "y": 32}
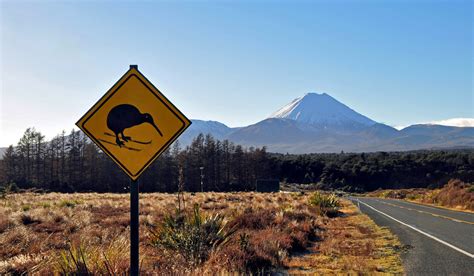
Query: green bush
{"x": 194, "y": 237}
{"x": 327, "y": 204}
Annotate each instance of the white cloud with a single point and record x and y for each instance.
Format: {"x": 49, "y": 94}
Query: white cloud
{"x": 456, "y": 122}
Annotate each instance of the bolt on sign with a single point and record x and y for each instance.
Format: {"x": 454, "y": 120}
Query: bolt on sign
{"x": 133, "y": 122}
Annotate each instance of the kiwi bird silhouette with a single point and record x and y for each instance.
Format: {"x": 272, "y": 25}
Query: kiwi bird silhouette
{"x": 126, "y": 116}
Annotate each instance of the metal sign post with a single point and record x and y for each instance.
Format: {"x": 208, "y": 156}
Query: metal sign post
{"x": 134, "y": 227}
{"x": 202, "y": 179}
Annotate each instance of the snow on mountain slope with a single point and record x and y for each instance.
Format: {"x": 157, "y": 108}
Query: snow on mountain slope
{"x": 321, "y": 109}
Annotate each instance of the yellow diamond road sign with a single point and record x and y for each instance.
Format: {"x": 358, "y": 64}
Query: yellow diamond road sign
{"x": 133, "y": 123}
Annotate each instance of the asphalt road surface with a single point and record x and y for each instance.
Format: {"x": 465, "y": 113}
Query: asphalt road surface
{"x": 435, "y": 241}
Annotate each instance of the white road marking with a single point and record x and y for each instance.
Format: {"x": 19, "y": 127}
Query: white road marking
{"x": 420, "y": 231}
{"x": 431, "y": 207}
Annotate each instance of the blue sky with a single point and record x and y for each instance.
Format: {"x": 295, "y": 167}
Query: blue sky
{"x": 397, "y": 62}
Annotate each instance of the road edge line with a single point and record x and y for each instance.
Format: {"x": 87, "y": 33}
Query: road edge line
{"x": 421, "y": 232}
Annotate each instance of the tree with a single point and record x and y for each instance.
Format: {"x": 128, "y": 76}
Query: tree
{"x": 10, "y": 165}
{"x": 26, "y": 158}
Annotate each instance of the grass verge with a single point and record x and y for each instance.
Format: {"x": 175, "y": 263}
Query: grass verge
{"x": 350, "y": 244}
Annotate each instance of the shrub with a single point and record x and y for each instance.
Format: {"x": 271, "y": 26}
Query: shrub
{"x": 193, "y": 237}
{"x": 254, "y": 219}
{"x": 327, "y": 204}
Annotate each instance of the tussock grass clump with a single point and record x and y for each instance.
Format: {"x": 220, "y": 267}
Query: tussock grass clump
{"x": 4, "y": 224}
{"x": 82, "y": 259}
{"x": 193, "y": 236}
{"x": 328, "y": 204}
{"x": 68, "y": 203}
{"x": 74, "y": 260}
{"x": 27, "y": 219}
{"x": 23, "y": 264}
{"x": 45, "y": 205}
{"x": 242, "y": 256}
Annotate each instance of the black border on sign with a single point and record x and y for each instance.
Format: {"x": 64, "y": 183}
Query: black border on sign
{"x": 168, "y": 103}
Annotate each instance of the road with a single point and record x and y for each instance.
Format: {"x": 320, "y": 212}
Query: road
{"x": 437, "y": 241}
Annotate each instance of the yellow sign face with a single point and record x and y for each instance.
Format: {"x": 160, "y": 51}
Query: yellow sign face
{"x": 133, "y": 123}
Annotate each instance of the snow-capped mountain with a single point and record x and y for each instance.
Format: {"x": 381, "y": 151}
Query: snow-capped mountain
{"x": 322, "y": 110}
{"x": 320, "y": 123}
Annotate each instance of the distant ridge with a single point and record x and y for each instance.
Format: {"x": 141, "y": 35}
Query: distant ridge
{"x": 216, "y": 129}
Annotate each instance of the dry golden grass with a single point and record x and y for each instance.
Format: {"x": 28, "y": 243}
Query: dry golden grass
{"x": 44, "y": 233}
{"x": 455, "y": 195}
